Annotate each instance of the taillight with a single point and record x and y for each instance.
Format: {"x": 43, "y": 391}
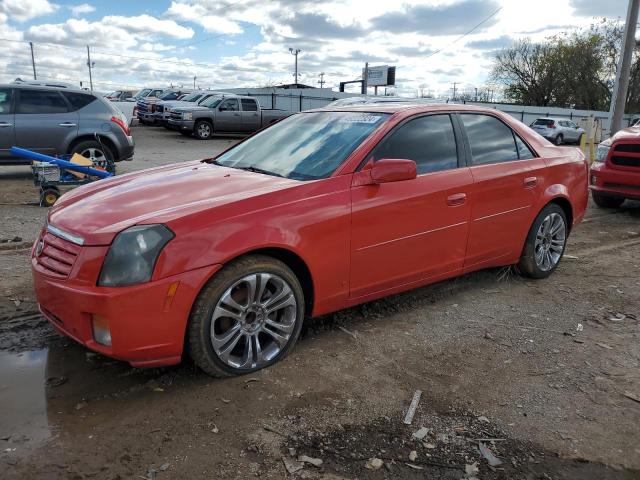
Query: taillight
{"x": 122, "y": 125}
{"x": 553, "y": 125}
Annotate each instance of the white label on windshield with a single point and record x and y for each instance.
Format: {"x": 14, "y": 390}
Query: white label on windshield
{"x": 364, "y": 118}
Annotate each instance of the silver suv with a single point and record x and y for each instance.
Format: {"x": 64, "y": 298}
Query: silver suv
{"x": 59, "y": 121}
{"x": 558, "y": 130}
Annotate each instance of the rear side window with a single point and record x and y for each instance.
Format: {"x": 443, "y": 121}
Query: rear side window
{"x": 5, "y": 100}
{"x": 491, "y": 140}
{"x": 524, "y": 152}
{"x": 78, "y": 100}
{"x": 249, "y": 105}
{"x": 41, "y": 101}
{"x": 429, "y": 141}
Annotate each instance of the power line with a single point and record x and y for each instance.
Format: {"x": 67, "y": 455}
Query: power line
{"x": 464, "y": 35}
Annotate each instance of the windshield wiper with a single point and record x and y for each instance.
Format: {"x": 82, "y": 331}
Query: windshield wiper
{"x": 255, "y": 169}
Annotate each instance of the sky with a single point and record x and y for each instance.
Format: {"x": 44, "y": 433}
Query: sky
{"x": 236, "y": 43}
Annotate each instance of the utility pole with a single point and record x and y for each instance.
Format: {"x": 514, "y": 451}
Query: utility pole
{"x": 621, "y": 85}
{"x": 476, "y": 97}
{"x": 194, "y": 82}
{"x": 454, "y": 90}
{"x": 33, "y": 61}
{"x": 89, "y": 64}
{"x": 365, "y": 79}
{"x": 295, "y": 54}
{"x": 321, "y": 81}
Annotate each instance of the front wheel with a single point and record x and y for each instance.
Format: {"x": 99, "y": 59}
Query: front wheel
{"x": 606, "y": 201}
{"x": 558, "y": 139}
{"x": 203, "y": 130}
{"x": 545, "y": 243}
{"x": 246, "y": 318}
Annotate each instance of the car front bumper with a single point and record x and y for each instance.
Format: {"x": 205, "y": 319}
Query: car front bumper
{"x": 146, "y": 323}
{"x": 146, "y": 117}
{"x": 184, "y": 125}
{"x": 614, "y": 182}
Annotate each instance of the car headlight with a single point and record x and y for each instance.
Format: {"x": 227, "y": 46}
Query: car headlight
{"x": 132, "y": 255}
{"x": 187, "y": 116}
{"x": 601, "y": 153}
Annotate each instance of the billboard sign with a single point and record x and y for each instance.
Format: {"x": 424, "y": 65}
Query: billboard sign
{"x": 381, "y": 76}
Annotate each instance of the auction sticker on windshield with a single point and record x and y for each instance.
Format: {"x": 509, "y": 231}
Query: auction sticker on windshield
{"x": 360, "y": 118}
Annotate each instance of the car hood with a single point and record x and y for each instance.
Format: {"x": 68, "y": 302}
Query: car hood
{"x": 625, "y": 133}
{"x": 175, "y": 103}
{"x": 98, "y": 211}
{"x": 193, "y": 108}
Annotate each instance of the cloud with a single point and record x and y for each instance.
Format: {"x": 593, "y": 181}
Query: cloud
{"x": 452, "y": 19}
{"x": 23, "y": 10}
{"x": 210, "y": 20}
{"x": 318, "y": 26}
{"x": 79, "y": 10}
{"x": 417, "y": 51}
{"x": 599, "y": 8}
{"x": 491, "y": 43}
{"x": 146, "y": 24}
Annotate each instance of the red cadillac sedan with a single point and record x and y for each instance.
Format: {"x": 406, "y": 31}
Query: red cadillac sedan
{"x": 326, "y": 209}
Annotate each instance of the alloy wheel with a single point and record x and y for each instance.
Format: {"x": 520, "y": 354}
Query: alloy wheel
{"x": 550, "y": 241}
{"x": 253, "y": 321}
{"x": 204, "y": 130}
{"x": 94, "y": 154}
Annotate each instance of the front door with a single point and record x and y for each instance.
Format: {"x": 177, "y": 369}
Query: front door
{"x": 507, "y": 179}
{"x": 43, "y": 121}
{"x": 228, "y": 117}
{"x": 409, "y": 231}
{"x": 7, "y": 135}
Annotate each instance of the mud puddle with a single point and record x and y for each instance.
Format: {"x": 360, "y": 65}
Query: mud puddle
{"x": 44, "y": 392}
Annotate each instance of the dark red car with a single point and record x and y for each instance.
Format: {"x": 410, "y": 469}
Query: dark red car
{"x": 615, "y": 173}
{"x": 321, "y": 211}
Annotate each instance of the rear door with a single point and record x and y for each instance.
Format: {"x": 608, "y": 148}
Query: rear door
{"x": 228, "y": 118}
{"x": 7, "y": 131}
{"x": 250, "y": 115}
{"x": 508, "y": 178}
{"x": 44, "y": 121}
{"x": 406, "y": 232}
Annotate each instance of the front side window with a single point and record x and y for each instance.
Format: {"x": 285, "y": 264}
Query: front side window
{"x": 5, "y": 100}
{"x": 304, "y": 146}
{"x": 230, "y": 105}
{"x": 429, "y": 141}
{"x": 491, "y": 141}
{"x": 41, "y": 101}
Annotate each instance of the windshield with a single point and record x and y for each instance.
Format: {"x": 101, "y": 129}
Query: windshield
{"x": 143, "y": 92}
{"x": 192, "y": 97}
{"x": 304, "y": 146}
{"x": 169, "y": 96}
{"x": 211, "y": 102}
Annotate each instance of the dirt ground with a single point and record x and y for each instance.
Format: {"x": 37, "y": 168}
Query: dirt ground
{"x": 544, "y": 375}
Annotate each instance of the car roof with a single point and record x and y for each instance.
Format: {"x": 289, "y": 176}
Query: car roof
{"x": 60, "y": 88}
{"x": 391, "y": 108}
{"x": 557, "y": 119}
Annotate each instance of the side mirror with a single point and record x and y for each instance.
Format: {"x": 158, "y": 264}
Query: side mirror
{"x": 388, "y": 170}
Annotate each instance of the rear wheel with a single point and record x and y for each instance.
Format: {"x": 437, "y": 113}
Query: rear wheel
{"x": 97, "y": 152}
{"x": 246, "y": 318}
{"x": 203, "y": 130}
{"x": 545, "y": 243}
{"x": 606, "y": 201}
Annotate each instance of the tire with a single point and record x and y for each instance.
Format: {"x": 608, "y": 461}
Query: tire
{"x": 558, "y": 140}
{"x": 49, "y": 196}
{"x": 96, "y": 151}
{"x": 240, "y": 327}
{"x": 606, "y": 201}
{"x": 203, "y": 130}
{"x": 545, "y": 243}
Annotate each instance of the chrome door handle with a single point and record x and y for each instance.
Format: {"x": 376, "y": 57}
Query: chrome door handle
{"x": 68, "y": 124}
{"x": 530, "y": 182}
{"x": 5, "y": 124}
{"x": 456, "y": 199}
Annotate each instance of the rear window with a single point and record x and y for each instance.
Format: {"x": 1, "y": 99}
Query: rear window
{"x": 78, "y": 100}
{"x": 41, "y": 101}
{"x": 544, "y": 122}
{"x": 249, "y": 105}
